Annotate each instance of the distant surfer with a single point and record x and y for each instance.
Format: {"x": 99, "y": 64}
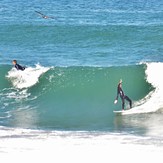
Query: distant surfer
{"x": 17, "y": 66}
{"x": 44, "y": 16}
{"x": 122, "y": 95}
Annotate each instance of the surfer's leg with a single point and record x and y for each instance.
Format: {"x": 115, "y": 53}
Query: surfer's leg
{"x": 129, "y": 100}
{"x": 123, "y": 103}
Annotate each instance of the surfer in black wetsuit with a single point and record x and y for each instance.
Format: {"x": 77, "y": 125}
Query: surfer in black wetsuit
{"x": 17, "y": 66}
{"x": 122, "y": 95}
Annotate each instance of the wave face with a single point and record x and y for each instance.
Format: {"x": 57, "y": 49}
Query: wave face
{"x": 71, "y": 97}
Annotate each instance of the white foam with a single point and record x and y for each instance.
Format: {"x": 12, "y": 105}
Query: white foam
{"x": 154, "y": 100}
{"x": 28, "y": 77}
{"x": 71, "y": 147}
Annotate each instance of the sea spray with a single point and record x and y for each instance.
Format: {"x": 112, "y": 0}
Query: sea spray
{"x": 153, "y": 101}
{"x": 28, "y": 77}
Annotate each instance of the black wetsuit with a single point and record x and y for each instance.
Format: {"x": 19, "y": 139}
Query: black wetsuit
{"x": 123, "y": 97}
{"x": 18, "y": 67}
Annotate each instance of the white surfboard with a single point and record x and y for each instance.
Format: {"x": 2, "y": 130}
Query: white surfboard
{"x": 135, "y": 110}
{"x": 122, "y": 112}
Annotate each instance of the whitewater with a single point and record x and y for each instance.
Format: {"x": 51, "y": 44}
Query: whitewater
{"x": 27, "y": 78}
{"x": 153, "y": 101}
{"x": 70, "y": 146}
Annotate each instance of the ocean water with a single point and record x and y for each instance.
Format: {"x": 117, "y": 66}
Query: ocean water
{"x": 74, "y": 59}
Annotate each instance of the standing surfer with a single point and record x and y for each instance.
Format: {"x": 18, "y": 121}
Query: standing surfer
{"x": 122, "y": 95}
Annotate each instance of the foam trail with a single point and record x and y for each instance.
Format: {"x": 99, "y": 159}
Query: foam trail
{"x": 28, "y": 77}
{"x": 154, "y": 100}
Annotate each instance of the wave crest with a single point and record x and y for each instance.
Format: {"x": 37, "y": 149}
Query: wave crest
{"x": 27, "y": 78}
{"x": 153, "y": 101}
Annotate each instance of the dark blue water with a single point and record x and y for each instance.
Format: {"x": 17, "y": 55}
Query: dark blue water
{"x": 85, "y": 33}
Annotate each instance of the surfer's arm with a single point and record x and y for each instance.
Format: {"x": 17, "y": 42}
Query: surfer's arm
{"x": 116, "y": 99}
{"x": 18, "y": 67}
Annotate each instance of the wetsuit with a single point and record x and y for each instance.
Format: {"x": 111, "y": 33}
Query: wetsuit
{"x": 123, "y": 97}
{"x": 18, "y": 67}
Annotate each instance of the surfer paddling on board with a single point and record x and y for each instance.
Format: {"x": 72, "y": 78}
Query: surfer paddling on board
{"x": 122, "y": 95}
{"x": 17, "y": 66}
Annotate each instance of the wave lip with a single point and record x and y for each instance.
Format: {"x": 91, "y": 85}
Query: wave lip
{"x": 153, "y": 101}
{"x": 27, "y": 78}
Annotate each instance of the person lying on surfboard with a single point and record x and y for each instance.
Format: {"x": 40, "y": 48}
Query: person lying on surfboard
{"x": 17, "y": 66}
{"x": 122, "y": 96}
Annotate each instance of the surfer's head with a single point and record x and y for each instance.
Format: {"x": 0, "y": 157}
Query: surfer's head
{"x": 14, "y": 62}
{"x": 120, "y": 81}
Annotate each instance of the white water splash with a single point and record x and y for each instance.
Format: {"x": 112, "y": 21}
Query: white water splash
{"x": 76, "y": 147}
{"x": 28, "y": 77}
{"x": 154, "y": 100}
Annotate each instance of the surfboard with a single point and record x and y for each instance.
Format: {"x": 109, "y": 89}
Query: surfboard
{"x": 118, "y": 112}
{"x": 141, "y": 109}
{"x": 121, "y": 112}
